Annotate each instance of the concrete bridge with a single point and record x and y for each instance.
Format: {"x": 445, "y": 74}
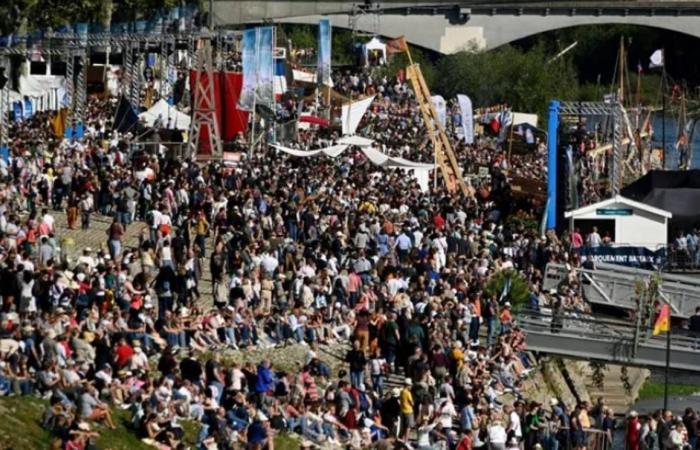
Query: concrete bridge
{"x": 451, "y": 26}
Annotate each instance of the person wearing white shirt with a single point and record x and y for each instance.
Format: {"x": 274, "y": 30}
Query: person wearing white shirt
{"x": 446, "y": 412}
{"x": 497, "y": 435}
{"x": 514, "y": 425}
{"x": 269, "y": 263}
{"x": 424, "y": 429}
{"x": 139, "y": 361}
{"x": 594, "y": 239}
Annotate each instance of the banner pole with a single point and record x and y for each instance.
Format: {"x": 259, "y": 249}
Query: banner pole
{"x": 668, "y": 362}
{"x": 252, "y": 127}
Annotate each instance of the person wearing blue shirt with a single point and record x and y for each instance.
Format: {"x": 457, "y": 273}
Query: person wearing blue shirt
{"x": 257, "y": 432}
{"x": 265, "y": 379}
{"x": 466, "y": 417}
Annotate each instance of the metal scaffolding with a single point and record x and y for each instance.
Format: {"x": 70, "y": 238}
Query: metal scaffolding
{"x": 372, "y": 11}
{"x": 4, "y": 100}
{"x": 611, "y": 111}
{"x": 75, "y": 49}
{"x": 204, "y": 108}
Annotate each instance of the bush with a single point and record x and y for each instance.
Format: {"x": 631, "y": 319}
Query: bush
{"x": 518, "y": 293}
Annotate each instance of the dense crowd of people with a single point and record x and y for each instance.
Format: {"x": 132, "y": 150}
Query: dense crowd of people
{"x": 299, "y": 251}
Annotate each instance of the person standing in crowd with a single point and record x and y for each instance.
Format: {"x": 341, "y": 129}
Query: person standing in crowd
{"x": 307, "y": 261}
{"x": 408, "y": 421}
{"x": 593, "y": 240}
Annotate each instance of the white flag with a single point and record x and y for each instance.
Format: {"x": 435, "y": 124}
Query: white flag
{"x": 656, "y": 59}
{"x": 465, "y": 105}
{"x": 440, "y": 108}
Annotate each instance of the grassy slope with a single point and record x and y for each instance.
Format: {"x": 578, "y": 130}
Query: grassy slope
{"x": 656, "y": 390}
{"x": 20, "y": 429}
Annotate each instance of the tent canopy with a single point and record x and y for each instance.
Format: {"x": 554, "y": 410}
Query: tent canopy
{"x": 373, "y": 45}
{"x": 178, "y": 120}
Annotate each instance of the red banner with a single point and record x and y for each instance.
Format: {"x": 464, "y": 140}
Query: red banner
{"x": 231, "y": 120}
{"x": 235, "y": 120}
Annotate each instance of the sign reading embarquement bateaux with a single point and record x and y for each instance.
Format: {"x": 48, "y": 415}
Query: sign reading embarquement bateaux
{"x": 613, "y": 211}
{"x": 625, "y": 256}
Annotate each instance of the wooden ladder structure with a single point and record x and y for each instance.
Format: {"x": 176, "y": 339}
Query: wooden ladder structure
{"x": 444, "y": 156}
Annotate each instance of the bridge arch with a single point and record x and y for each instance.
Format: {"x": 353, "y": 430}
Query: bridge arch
{"x": 485, "y": 32}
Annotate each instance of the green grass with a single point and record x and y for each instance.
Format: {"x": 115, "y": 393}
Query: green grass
{"x": 653, "y": 389}
{"x": 20, "y": 429}
{"x": 286, "y": 442}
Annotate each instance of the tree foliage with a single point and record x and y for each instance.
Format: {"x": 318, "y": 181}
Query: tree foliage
{"x": 524, "y": 79}
{"x": 33, "y": 15}
{"x": 519, "y": 291}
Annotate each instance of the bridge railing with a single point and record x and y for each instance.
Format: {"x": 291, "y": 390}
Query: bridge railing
{"x": 616, "y": 285}
{"x": 593, "y": 439}
{"x": 596, "y": 328}
{"x": 680, "y": 259}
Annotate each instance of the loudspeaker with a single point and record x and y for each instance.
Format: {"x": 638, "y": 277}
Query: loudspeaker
{"x": 58, "y": 68}
{"x": 37, "y": 68}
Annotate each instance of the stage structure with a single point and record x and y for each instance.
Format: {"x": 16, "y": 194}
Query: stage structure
{"x": 75, "y": 50}
{"x": 560, "y": 192}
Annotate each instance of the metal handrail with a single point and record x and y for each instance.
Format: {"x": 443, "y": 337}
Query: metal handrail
{"x": 604, "y": 329}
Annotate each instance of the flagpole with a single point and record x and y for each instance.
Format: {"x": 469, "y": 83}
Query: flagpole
{"x": 668, "y": 362}
{"x": 663, "y": 110}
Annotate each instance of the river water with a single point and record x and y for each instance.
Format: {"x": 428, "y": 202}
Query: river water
{"x": 671, "y": 137}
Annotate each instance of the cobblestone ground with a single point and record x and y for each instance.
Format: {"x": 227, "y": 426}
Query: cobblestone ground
{"x": 96, "y": 237}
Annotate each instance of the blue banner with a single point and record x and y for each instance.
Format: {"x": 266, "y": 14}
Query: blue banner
{"x": 640, "y": 257}
{"x": 28, "y": 108}
{"x": 265, "y": 67}
{"x": 248, "y": 59}
{"x": 323, "y": 69}
{"x": 17, "y": 110}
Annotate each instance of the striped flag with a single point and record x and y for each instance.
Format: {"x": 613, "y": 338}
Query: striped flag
{"x": 279, "y": 79}
{"x": 663, "y": 322}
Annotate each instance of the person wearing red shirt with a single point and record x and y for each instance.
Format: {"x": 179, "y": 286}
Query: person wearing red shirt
{"x": 466, "y": 442}
{"x": 438, "y": 221}
{"x": 122, "y": 353}
{"x": 576, "y": 239}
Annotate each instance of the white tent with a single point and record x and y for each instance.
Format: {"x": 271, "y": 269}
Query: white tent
{"x": 178, "y": 120}
{"x": 372, "y": 46}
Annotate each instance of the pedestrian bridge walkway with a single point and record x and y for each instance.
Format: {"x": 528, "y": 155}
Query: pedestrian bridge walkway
{"x": 613, "y": 341}
{"x": 615, "y": 285}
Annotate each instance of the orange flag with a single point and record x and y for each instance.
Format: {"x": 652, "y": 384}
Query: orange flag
{"x": 663, "y": 322}
{"x": 397, "y": 45}
{"x": 59, "y": 123}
